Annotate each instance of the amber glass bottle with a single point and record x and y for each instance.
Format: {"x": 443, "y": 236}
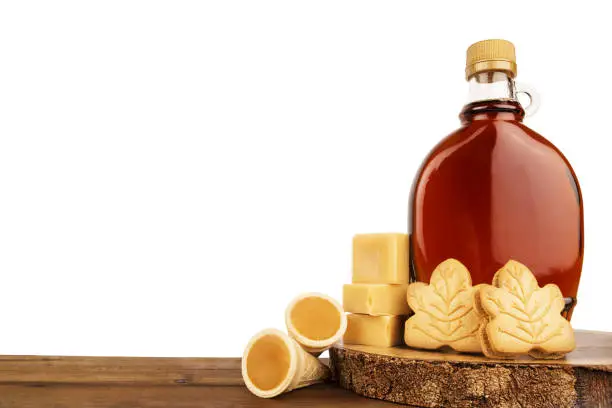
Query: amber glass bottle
{"x": 496, "y": 190}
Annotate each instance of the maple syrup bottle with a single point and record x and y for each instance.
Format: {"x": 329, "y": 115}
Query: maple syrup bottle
{"x": 496, "y": 190}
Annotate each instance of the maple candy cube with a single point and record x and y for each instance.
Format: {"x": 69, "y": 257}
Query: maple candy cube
{"x": 380, "y": 258}
{"x": 380, "y": 331}
{"x": 375, "y": 299}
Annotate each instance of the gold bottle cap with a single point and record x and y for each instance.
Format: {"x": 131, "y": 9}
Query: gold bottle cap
{"x": 490, "y": 55}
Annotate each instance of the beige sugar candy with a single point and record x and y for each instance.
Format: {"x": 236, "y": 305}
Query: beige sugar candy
{"x": 273, "y": 363}
{"x": 444, "y": 313}
{"x": 519, "y": 317}
{"x": 375, "y": 299}
{"x": 380, "y": 258}
{"x": 381, "y": 331}
{"x": 316, "y": 321}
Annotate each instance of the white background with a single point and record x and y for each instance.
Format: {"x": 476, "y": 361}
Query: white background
{"x": 173, "y": 173}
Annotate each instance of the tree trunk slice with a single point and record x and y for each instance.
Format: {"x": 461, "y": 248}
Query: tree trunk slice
{"x": 448, "y": 379}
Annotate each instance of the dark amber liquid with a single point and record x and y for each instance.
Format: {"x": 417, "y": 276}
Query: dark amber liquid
{"x": 496, "y": 190}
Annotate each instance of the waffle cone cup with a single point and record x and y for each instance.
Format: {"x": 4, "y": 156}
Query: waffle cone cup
{"x": 322, "y": 310}
{"x": 273, "y": 363}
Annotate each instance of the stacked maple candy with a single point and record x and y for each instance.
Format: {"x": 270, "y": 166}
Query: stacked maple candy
{"x": 376, "y": 298}
{"x": 511, "y": 317}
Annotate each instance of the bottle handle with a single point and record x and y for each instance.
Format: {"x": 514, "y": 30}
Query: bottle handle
{"x": 532, "y": 94}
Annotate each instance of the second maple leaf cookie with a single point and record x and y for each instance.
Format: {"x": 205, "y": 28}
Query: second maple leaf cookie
{"x": 444, "y": 312}
{"x": 519, "y": 317}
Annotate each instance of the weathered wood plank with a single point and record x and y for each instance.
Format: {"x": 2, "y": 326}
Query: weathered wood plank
{"x": 116, "y": 396}
{"x": 120, "y": 370}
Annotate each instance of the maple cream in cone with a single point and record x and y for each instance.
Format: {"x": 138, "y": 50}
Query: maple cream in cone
{"x": 316, "y": 321}
{"x": 273, "y": 363}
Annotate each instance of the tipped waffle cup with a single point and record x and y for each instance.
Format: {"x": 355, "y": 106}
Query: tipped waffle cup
{"x": 304, "y": 369}
{"x": 315, "y": 346}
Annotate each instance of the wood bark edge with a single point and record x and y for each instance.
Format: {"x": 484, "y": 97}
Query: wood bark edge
{"x": 470, "y": 384}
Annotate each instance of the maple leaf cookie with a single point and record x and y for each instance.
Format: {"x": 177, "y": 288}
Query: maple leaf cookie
{"x": 519, "y": 317}
{"x": 444, "y": 312}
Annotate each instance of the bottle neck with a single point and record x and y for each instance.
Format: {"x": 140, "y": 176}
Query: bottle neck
{"x": 492, "y": 96}
{"x": 491, "y": 85}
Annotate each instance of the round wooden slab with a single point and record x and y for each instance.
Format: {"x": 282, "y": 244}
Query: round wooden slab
{"x": 448, "y": 379}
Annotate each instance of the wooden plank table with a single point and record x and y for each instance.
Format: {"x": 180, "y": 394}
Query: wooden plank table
{"x": 159, "y": 396}
{"x": 130, "y": 382}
